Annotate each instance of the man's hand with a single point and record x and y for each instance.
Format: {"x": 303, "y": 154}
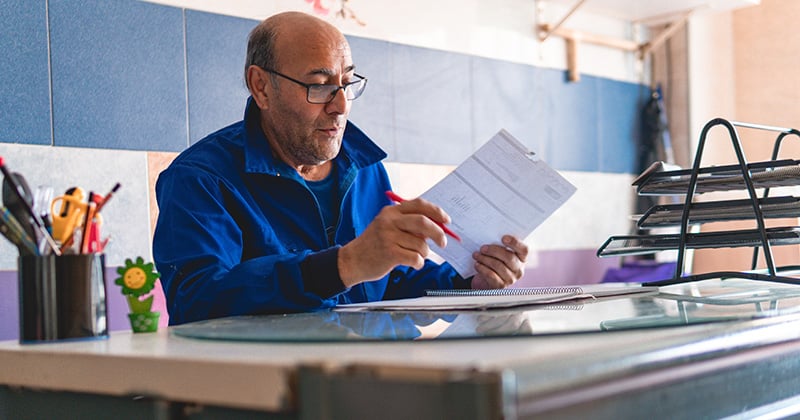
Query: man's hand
{"x": 500, "y": 266}
{"x": 395, "y": 237}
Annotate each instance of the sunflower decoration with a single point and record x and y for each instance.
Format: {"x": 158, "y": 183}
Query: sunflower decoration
{"x": 138, "y": 280}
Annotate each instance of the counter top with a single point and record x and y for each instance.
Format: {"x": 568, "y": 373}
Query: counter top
{"x": 259, "y": 375}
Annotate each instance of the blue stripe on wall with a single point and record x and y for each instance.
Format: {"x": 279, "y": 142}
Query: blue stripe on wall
{"x": 215, "y": 54}
{"x": 25, "y": 87}
{"x": 619, "y": 124}
{"x": 374, "y": 111}
{"x": 120, "y": 81}
{"x": 118, "y": 75}
{"x": 432, "y": 100}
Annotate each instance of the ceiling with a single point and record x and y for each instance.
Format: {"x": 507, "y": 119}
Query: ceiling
{"x": 645, "y": 10}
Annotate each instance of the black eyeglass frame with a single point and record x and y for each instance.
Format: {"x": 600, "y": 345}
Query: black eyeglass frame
{"x": 333, "y": 93}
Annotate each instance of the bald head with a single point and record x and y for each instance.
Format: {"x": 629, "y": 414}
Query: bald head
{"x": 289, "y": 36}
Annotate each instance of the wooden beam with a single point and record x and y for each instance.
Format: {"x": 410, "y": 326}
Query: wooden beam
{"x": 573, "y": 74}
{"x": 603, "y": 40}
{"x": 663, "y": 35}
{"x": 550, "y": 30}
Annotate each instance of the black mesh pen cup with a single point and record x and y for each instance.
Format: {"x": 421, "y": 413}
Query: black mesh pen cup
{"x": 62, "y": 297}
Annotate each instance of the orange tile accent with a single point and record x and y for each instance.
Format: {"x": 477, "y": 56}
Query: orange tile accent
{"x": 156, "y": 162}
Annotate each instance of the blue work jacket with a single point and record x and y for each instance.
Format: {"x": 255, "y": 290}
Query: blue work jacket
{"x": 239, "y": 232}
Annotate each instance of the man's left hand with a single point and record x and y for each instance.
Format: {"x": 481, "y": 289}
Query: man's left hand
{"x": 500, "y": 266}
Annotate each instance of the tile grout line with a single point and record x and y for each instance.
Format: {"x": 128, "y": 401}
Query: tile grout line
{"x": 50, "y": 71}
{"x": 186, "y": 78}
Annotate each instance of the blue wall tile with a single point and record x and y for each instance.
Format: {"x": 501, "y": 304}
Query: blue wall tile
{"x": 504, "y": 95}
{"x": 433, "y": 115}
{"x": 215, "y": 54}
{"x": 373, "y": 112}
{"x": 569, "y": 120}
{"x": 123, "y": 77}
{"x": 118, "y": 75}
{"x": 25, "y": 87}
{"x": 619, "y": 124}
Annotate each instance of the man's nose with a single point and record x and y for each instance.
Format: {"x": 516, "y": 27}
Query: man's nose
{"x": 339, "y": 103}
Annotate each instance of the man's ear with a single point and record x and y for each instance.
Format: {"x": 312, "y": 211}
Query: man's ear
{"x": 256, "y": 80}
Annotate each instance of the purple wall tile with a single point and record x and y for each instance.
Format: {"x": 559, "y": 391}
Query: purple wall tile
{"x": 9, "y": 306}
{"x": 117, "y": 305}
{"x": 567, "y": 267}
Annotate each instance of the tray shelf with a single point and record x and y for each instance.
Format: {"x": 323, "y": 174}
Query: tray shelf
{"x": 739, "y": 176}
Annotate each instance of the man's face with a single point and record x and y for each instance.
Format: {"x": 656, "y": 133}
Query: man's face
{"x": 306, "y": 133}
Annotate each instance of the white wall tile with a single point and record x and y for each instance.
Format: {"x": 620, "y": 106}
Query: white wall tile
{"x": 125, "y": 218}
{"x": 600, "y": 207}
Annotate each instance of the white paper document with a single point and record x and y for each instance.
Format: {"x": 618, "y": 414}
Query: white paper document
{"x": 503, "y": 188}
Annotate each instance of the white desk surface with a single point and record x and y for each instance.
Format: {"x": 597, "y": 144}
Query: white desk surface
{"x": 257, "y": 375}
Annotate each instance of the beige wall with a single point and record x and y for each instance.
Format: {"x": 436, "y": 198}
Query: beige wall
{"x": 743, "y": 65}
{"x": 670, "y": 71}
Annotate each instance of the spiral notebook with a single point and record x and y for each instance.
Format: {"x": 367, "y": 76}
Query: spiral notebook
{"x": 464, "y": 299}
{"x": 557, "y": 290}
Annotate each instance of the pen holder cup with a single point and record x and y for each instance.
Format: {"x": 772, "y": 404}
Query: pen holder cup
{"x": 62, "y": 298}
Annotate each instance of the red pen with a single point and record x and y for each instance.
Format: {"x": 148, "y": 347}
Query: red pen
{"x": 397, "y": 199}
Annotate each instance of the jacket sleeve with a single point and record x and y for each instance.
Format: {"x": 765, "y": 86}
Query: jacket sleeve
{"x": 406, "y": 282}
{"x": 198, "y": 249}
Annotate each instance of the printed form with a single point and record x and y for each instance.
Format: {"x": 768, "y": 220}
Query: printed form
{"x": 503, "y": 188}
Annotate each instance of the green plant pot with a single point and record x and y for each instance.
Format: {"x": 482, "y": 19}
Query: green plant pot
{"x": 145, "y": 322}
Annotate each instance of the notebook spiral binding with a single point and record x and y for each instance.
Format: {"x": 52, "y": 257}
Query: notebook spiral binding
{"x": 507, "y": 292}
{"x": 562, "y": 307}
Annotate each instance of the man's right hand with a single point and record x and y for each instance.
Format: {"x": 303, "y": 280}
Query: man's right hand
{"x": 395, "y": 237}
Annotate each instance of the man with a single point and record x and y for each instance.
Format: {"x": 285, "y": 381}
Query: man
{"x": 285, "y": 211}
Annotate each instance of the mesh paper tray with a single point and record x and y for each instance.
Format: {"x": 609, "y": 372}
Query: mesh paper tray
{"x": 768, "y": 174}
{"x": 705, "y": 212}
{"x": 648, "y": 244}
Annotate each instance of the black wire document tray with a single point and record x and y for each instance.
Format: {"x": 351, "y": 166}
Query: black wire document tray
{"x": 768, "y": 174}
{"x": 705, "y": 212}
{"x": 647, "y": 244}
{"x": 661, "y": 179}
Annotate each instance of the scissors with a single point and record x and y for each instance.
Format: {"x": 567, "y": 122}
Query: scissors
{"x": 70, "y": 213}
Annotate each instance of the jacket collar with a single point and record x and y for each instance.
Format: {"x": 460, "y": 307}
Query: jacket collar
{"x": 357, "y": 149}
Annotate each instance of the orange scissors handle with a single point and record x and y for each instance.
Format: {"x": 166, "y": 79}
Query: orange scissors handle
{"x": 67, "y": 212}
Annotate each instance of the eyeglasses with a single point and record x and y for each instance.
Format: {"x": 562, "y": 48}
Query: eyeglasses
{"x": 323, "y": 94}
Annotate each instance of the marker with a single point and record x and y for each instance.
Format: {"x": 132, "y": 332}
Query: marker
{"x": 87, "y": 225}
{"x": 397, "y": 199}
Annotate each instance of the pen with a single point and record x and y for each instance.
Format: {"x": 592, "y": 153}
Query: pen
{"x": 107, "y": 197}
{"x": 37, "y": 220}
{"x": 397, "y": 199}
